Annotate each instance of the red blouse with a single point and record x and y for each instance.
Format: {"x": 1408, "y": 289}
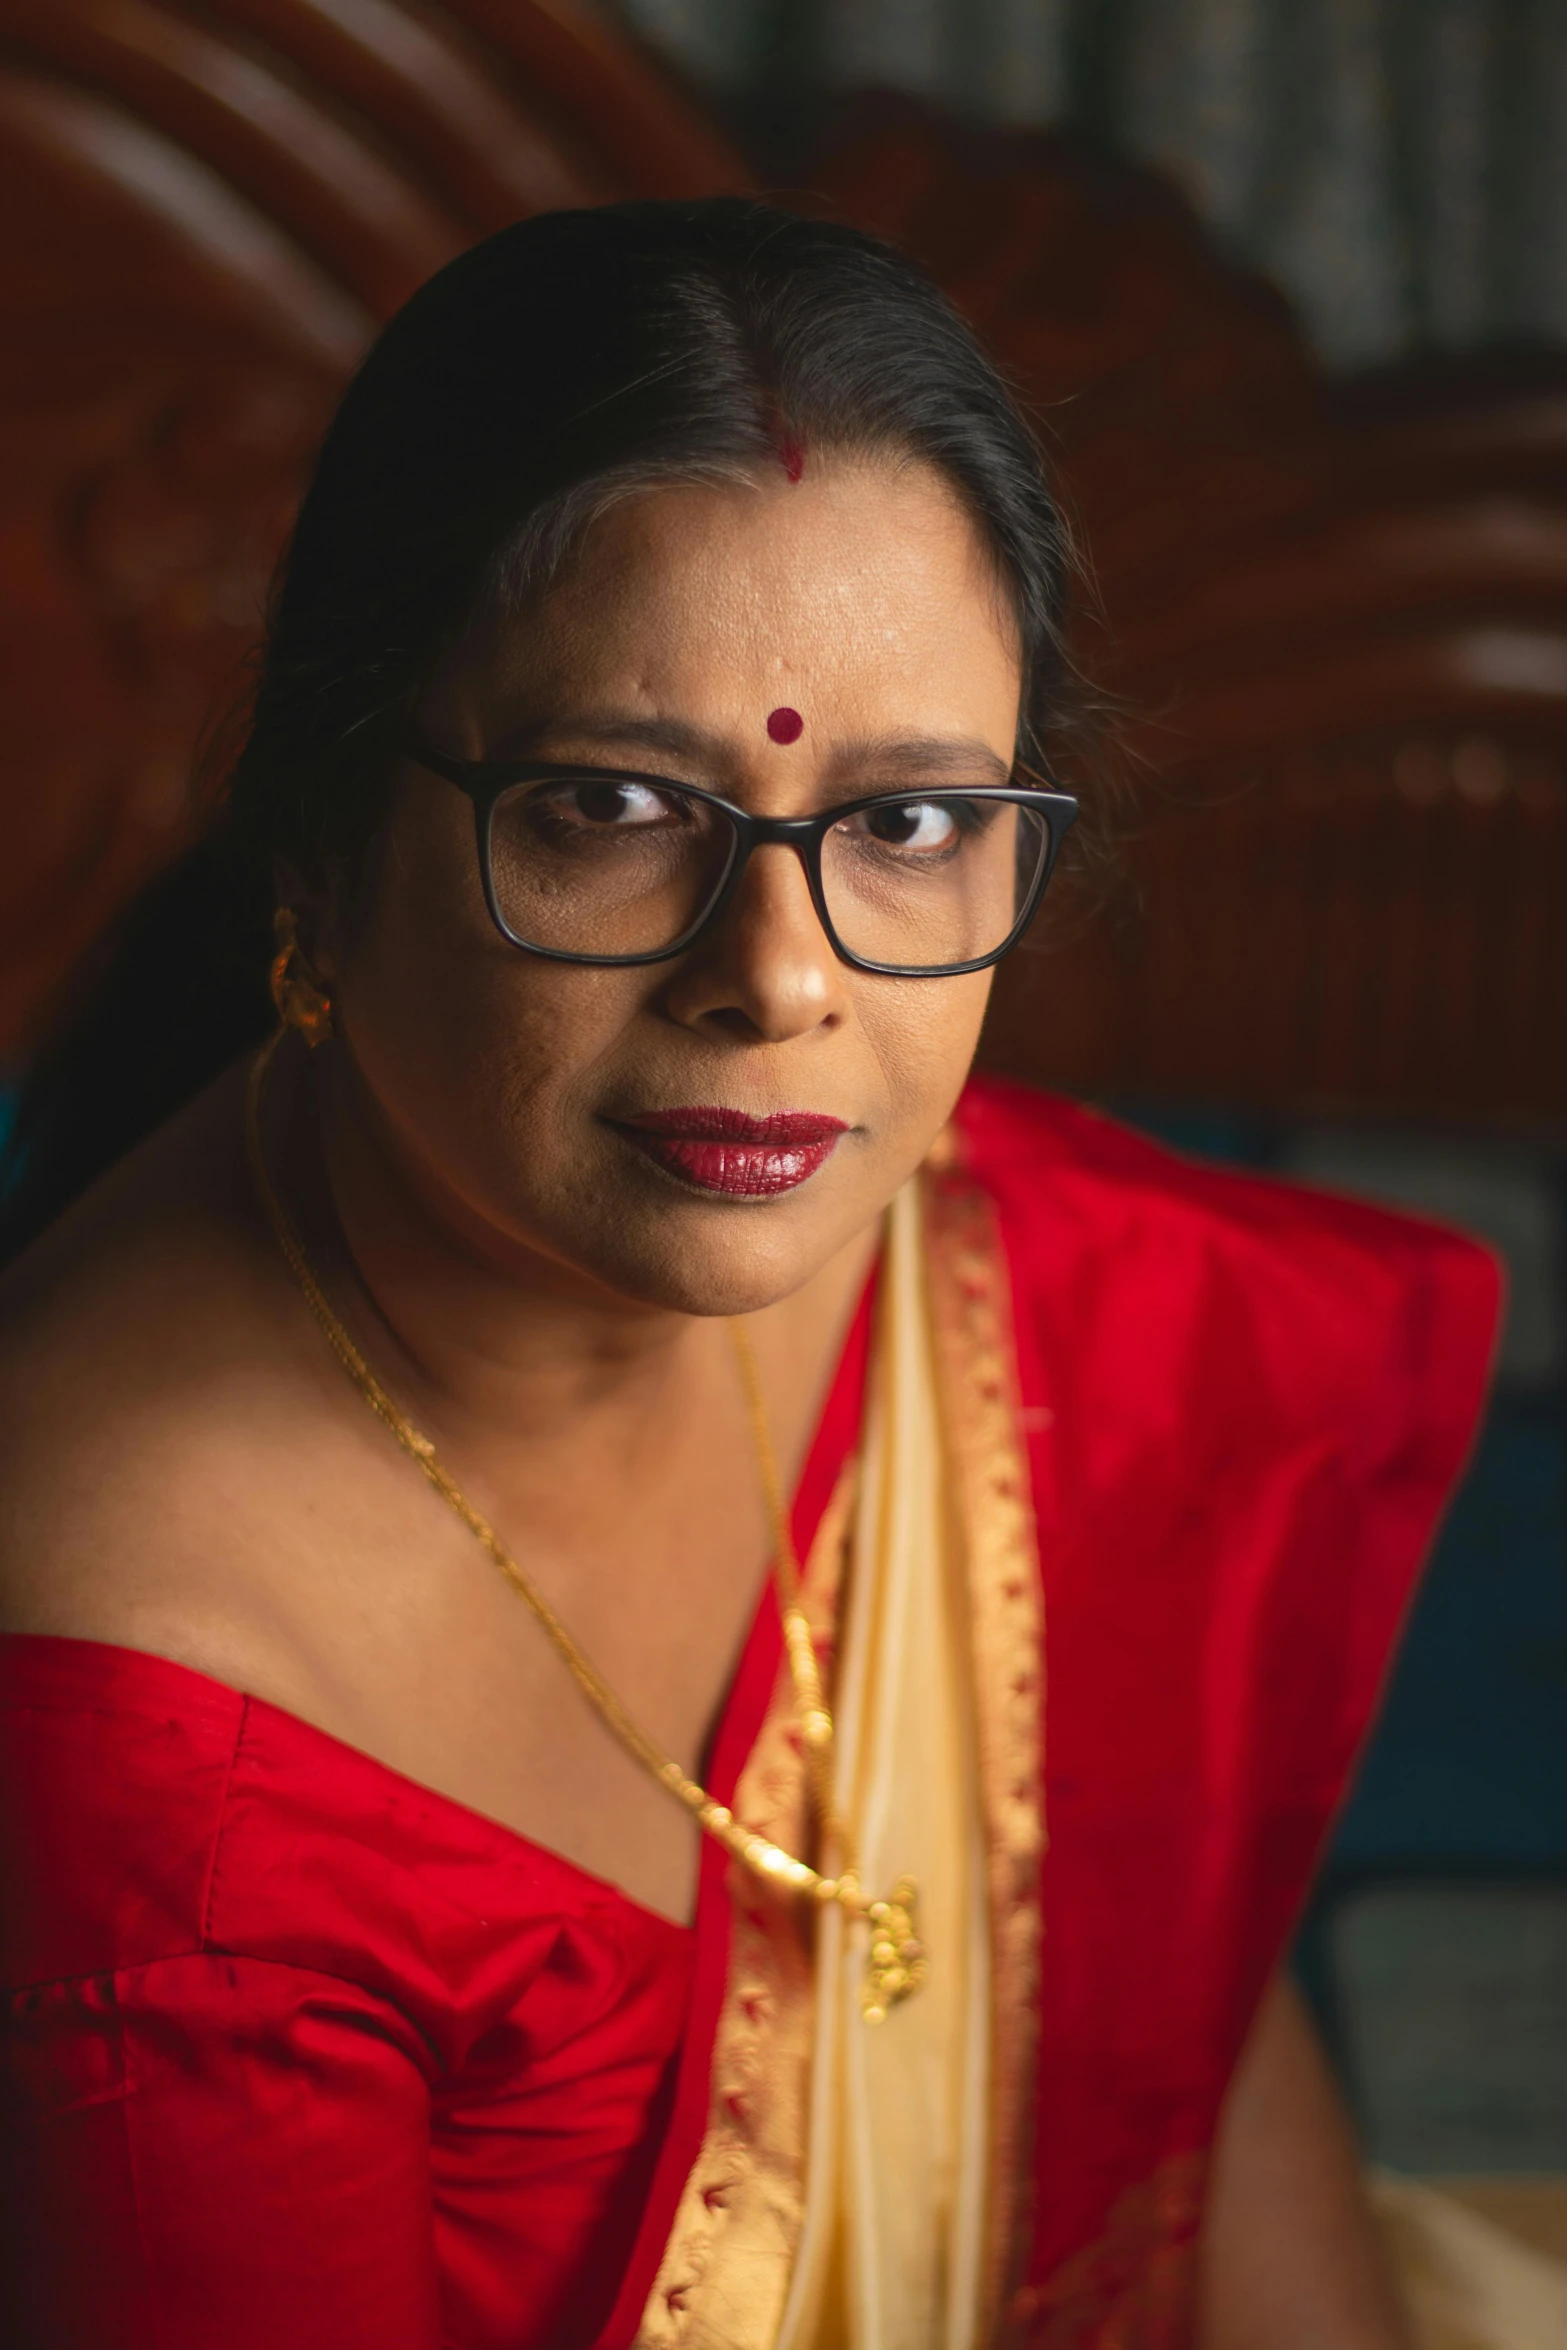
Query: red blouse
{"x": 299, "y": 2055}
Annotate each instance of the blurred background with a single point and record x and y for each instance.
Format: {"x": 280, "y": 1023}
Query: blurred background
{"x": 1285, "y": 282}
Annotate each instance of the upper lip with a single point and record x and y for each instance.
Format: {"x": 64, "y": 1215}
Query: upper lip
{"x": 711, "y": 1122}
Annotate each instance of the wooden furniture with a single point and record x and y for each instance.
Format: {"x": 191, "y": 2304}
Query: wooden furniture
{"x": 1338, "y": 620}
{"x": 1338, "y": 623}
{"x": 211, "y": 208}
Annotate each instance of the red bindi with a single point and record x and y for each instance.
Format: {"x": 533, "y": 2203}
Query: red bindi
{"x": 785, "y": 726}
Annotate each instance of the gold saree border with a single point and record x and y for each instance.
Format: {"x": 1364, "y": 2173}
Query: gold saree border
{"x": 724, "y": 2277}
{"x": 971, "y": 1309}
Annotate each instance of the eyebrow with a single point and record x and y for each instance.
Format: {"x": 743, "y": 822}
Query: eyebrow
{"x": 622, "y": 729}
{"x": 923, "y": 757}
{"x": 904, "y": 758}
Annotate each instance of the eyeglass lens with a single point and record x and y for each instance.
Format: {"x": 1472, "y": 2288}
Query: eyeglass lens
{"x": 592, "y": 866}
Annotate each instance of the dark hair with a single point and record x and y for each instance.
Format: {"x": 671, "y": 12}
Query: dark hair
{"x": 565, "y": 362}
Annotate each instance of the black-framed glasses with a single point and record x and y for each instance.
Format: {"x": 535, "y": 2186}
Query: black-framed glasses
{"x": 603, "y": 865}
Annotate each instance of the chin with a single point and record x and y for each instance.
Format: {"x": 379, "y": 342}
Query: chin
{"x": 720, "y": 1258}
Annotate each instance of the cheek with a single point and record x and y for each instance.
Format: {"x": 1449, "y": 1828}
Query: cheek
{"x": 924, "y": 1033}
{"x": 472, "y": 1049}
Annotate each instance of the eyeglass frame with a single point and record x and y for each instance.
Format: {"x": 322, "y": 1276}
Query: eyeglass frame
{"x": 486, "y": 781}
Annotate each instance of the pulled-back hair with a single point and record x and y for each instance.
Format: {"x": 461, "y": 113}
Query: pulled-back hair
{"x": 569, "y": 361}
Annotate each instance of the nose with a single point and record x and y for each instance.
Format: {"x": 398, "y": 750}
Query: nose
{"x": 766, "y": 972}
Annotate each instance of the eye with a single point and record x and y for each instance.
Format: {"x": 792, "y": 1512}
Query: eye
{"x": 927, "y": 827}
{"x": 601, "y": 801}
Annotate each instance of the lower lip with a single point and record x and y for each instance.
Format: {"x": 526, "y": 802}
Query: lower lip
{"x": 742, "y": 1170}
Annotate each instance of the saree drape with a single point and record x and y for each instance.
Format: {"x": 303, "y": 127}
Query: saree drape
{"x": 1203, "y": 1424}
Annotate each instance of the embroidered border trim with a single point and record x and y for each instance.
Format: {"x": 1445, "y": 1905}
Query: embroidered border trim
{"x": 971, "y": 1309}
{"x": 725, "y": 2273}
{"x": 722, "y": 2282}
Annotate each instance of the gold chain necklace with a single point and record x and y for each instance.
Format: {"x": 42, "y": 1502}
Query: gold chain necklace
{"x": 897, "y": 1963}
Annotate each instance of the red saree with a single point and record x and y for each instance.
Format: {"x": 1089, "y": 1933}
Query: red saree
{"x": 298, "y": 2052}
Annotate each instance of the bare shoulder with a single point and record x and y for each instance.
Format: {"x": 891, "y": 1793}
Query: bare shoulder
{"x": 150, "y": 1365}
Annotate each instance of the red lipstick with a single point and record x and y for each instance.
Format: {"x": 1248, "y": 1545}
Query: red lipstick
{"x": 727, "y": 1150}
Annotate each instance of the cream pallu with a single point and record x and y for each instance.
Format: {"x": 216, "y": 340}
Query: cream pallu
{"x": 891, "y": 2249}
{"x": 857, "y": 2184}
{"x": 1468, "y": 2283}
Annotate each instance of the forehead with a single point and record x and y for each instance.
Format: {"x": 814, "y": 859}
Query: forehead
{"x": 861, "y": 595}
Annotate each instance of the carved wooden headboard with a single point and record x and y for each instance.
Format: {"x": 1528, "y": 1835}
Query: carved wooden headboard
{"x": 210, "y": 208}
{"x": 1340, "y": 625}
{"x": 1343, "y": 634}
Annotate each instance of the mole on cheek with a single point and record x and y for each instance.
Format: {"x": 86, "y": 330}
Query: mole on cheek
{"x": 785, "y": 726}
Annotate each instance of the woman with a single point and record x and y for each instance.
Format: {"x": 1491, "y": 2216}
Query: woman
{"x": 635, "y": 1943}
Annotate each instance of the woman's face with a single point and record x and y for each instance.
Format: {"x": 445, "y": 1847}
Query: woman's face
{"x": 514, "y": 1088}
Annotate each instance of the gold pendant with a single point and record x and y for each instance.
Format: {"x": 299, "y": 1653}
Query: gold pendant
{"x": 898, "y": 1962}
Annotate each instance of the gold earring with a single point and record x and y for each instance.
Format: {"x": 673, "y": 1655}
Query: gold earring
{"x": 301, "y": 1001}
